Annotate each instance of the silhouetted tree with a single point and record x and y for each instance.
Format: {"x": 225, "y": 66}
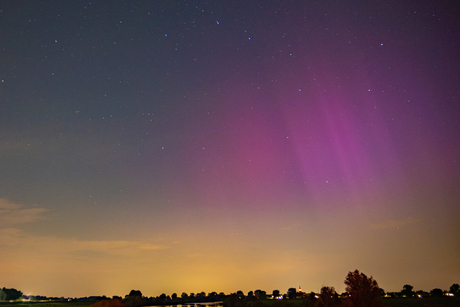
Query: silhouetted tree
{"x": 174, "y": 296}
{"x": 276, "y": 293}
{"x": 436, "y": 292}
{"x": 240, "y": 294}
{"x": 10, "y": 294}
{"x": 362, "y": 291}
{"x": 292, "y": 293}
{"x": 260, "y": 295}
{"x": 328, "y": 297}
{"x": 212, "y": 294}
{"x": 135, "y": 293}
{"x": 134, "y": 299}
{"x": 407, "y": 291}
{"x": 454, "y": 289}
{"x": 184, "y": 295}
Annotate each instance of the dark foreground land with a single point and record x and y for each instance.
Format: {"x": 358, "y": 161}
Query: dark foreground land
{"x": 425, "y": 302}
{"x": 387, "y": 302}
{"x": 48, "y": 304}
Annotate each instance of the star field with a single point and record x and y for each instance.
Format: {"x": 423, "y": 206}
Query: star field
{"x": 188, "y": 146}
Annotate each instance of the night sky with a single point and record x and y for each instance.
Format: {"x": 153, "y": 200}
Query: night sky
{"x": 188, "y": 146}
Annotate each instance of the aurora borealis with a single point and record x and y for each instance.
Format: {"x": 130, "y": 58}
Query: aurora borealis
{"x": 188, "y": 146}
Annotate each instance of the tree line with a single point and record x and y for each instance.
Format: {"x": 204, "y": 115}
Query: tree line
{"x": 360, "y": 291}
{"x": 10, "y": 294}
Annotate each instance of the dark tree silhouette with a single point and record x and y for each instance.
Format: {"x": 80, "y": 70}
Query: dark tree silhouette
{"x": 407, "y": 291}
{"x": 276, "y": 293}
{"x": 212, "y": 294}
{"x": 10, "y": 294}
{"x": 292, "y": 293}
{"x": 328, "y": 297}
{"x": 436, "y": 292}
{"x": 134, "y": 299}
{"x": 362, "y": 291}
{"x": 260, "y": 295}
{"x": 134, "y": 293}
{"x": 454, "y": 289}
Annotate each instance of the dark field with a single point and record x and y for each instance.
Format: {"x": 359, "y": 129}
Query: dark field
{"x": 48, "y": 304}
{"x": 387, "y": 302}
{"x": 425, "y": 302}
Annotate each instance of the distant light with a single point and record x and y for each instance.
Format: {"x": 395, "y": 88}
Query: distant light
{"x": 55, "y": 40}
{"x": 249, "y": 38}
{"x": 300, "y": 90}
{"x": 166, "y": 34}
{"x": 217, "y": 22}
